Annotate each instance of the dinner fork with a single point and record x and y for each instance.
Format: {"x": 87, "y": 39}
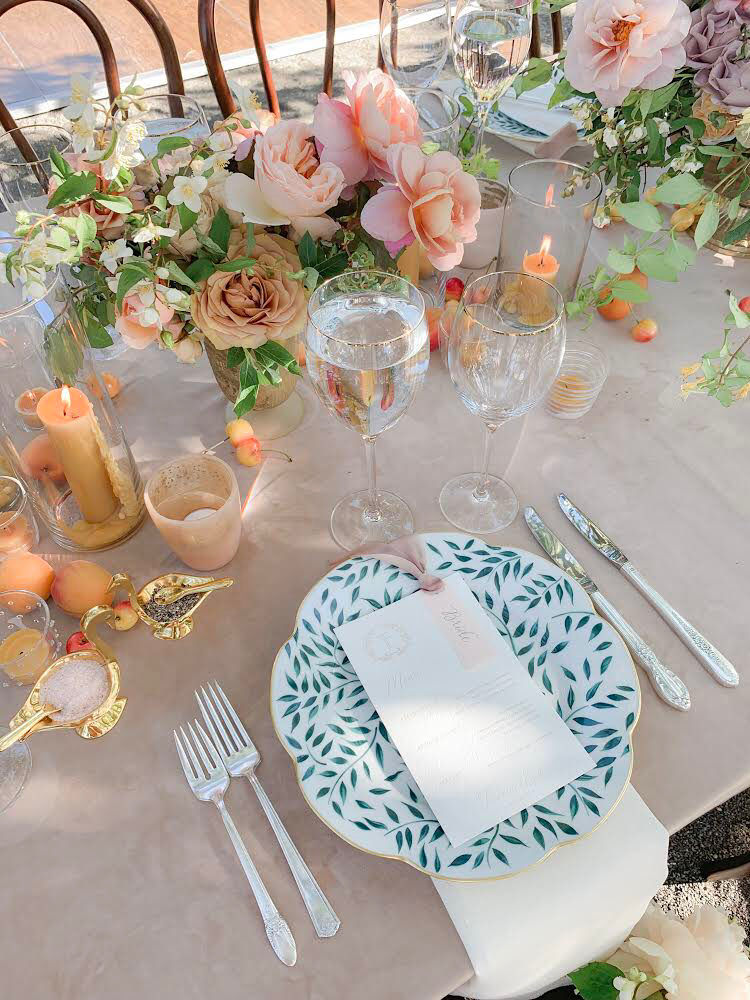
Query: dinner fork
{"x": 240, "y": 757}
{"x": 209, "y": 781}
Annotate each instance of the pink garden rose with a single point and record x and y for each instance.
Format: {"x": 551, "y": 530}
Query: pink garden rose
{"x": 133, "y": 321}
{"x": 357, "y": 135}
{"x": 433, "y": 201}
{"x": 618, "y": 45}
{"x": 293, "y": 181}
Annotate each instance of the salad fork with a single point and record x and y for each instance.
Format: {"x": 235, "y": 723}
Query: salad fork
{"x": 240, "y": 757}
{"x": 208, "y": 780}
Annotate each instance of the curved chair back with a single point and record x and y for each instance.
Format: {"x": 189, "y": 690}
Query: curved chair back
{"x": 207, "y": 31}
{"x": 557, "y": 34}
{"x": 164, "y": 39}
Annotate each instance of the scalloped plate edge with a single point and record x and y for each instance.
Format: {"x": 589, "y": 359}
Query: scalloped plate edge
{"x": 398, "y": 857}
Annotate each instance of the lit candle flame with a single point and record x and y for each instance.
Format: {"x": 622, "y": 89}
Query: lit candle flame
{"x": 65, "y": 399}
{"x": 544, "y": 249}
{"x": 550, "y": 195}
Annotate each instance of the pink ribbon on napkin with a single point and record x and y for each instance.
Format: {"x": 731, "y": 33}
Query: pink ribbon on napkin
{"x": 408, "y": 554}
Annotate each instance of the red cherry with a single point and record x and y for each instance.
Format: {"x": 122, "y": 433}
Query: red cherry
{"x": 744, "y": 304}
{"x": 76, "y": 642}
{"x": 454, "y": 289}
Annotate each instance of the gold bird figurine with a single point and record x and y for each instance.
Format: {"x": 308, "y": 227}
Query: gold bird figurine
{"x": 168, "y": 603}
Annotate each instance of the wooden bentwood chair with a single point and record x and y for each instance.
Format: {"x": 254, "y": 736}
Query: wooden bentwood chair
{"x": 210, "y": 48}
{"x": 164, "y": 39}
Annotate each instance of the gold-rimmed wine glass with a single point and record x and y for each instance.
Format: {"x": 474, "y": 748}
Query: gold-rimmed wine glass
{"x": 505, "y": 348}
{"x": 367, "y": 355}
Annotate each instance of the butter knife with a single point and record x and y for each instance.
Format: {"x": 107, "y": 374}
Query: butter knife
{"x": 714, "y": 662}
{"x": 667, "y": 685}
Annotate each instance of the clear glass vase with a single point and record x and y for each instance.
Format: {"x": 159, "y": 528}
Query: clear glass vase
{"x": 59, "y": 430}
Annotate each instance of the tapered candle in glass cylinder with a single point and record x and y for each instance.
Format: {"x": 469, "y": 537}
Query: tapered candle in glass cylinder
{"x": 547, "y": 221}
{"x": 60, "y": 431}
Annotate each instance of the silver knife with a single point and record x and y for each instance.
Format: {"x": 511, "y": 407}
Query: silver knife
{"x": 715, "y": 663}
{"x": 667, "y": 685}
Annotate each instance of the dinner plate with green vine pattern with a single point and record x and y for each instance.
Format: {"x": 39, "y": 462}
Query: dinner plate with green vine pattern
{"x": 353, "y": 777}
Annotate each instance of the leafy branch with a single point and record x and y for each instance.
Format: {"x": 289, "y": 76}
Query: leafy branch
{"x": 725, "y": 371}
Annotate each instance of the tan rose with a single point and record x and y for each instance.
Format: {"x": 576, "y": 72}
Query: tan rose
{"x": 239, "y": 309}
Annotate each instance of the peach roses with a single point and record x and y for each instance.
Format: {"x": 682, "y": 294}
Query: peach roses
{"x": 432, "y": 200}
{"x": 240, "y": 309}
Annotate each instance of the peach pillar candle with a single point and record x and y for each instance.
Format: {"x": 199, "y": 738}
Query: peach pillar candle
{"x": 69, "y": 421}
{"x": 543, "y": 264}
{"x": 194, "y": 502}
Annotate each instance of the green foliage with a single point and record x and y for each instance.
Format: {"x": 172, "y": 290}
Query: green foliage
{"x": 724, "y": 373}
{"x": 74, "y": 188}
{"x": 594, "y": 981}
{"x": 220, "y": 230}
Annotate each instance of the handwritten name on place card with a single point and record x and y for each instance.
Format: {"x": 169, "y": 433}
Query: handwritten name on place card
{"x": 479, "y": 737}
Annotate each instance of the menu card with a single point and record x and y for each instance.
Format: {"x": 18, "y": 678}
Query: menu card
{"x": 479, "y": 737}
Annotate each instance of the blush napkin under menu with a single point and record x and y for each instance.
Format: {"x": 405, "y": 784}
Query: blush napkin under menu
{"x": 479, "y": 737}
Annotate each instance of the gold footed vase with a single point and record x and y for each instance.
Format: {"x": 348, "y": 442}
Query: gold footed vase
{"x": 278, "y": 409}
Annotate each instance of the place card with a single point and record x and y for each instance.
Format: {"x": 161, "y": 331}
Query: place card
{"x": 479, "y": 737}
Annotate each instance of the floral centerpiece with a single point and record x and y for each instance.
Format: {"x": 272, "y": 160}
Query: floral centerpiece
{"x": 217, "y": 242}
{"x": 666, "y": 958}
{"x": 662, "y": 84}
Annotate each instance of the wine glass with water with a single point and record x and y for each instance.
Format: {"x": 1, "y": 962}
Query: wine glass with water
{"x": 415, "y": 40}
{"x": 504, "y": 351}
{"x": 367, "y": 355}
{"x": 490, "y": 42}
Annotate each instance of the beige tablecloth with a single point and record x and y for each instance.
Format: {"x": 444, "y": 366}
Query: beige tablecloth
{"x": 116, "y": 882}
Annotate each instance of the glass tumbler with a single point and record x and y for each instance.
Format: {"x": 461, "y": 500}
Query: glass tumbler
{"x": 547, "y": 221}
{"x": 582, "y": 374}
{"x": 28, "y": 644}
{"x": 439, "y": 117}
{"x": 18, "y": 528}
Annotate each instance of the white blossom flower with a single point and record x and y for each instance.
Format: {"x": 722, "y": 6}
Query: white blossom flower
{"x": 83, "y": 134}
{"x": 162, "y": 272}
{"x": 691, "y": 166}
{"x": 663, "y": 126}
{"x": 187, "y": 192}
{"x": 223, "y": 151}
{"x": 638, "y": 133}
{"x": 601, "y": 218}
{"x": 126, "y": 151}
{"x": 609, "y": 138}
{"x": 175, "y": 297}
{"x": 151, "y": 232}
{"x": 248, "y": 103}
{"x": 81, "y": 98}
{"x": 114, "y": 252}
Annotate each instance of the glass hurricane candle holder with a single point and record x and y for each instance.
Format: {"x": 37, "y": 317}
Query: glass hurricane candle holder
{"x": 69, "y": 450}
{"x": 171, "y": 116}
{"x": 439, "y": 117}
{"x": 547, "y": 221}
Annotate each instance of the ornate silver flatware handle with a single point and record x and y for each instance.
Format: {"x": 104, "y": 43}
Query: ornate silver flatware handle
{"x": 667, "y": 684}
{"x": 277, "y": 929}
{"x": 322, "y": 914}
{"x": 714, "y": 662}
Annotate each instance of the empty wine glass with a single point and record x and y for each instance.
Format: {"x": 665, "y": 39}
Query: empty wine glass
{"x": 25, "y": 168}
{"x": 504, "y": 352}
{"x": 367, "y": 355}
{"x": 414, "y": 39}
{"x": 171, "y": 116}
{"x": 490, "y": 42}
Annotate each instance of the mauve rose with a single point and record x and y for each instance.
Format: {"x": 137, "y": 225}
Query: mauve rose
{"x": 713, "y": 38}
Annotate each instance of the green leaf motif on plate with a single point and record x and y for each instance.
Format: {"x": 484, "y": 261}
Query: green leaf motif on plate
{"x": 354, "y": 776}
